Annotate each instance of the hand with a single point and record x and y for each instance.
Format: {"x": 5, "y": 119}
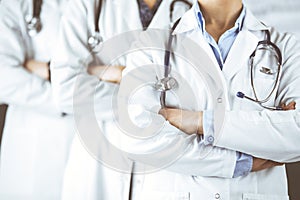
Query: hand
{"x": 261, "y": 164}
{"x": 189, "y": 122}
{"x": 290, "y": 106}
{"x": 111, "y": 74}
{"x": 38, "y": 68}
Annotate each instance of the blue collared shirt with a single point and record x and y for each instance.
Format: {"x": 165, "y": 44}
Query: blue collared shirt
{"x": 221, "y": 49}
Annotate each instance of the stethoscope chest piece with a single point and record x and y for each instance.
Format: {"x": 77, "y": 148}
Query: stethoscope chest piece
{"x": 34, "y": 25}
{"x": 95, "y": 42}
{"x": 166, "y": 84}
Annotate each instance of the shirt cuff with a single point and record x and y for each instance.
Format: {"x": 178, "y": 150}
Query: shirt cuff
{"x": 243, "y": 165}
{"x": 208, "y": 127}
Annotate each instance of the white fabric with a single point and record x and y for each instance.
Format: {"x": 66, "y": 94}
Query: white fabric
{"x": 247, "y": 128}
{"x": 117, "y": 16}
{"x": 36, "y": 138}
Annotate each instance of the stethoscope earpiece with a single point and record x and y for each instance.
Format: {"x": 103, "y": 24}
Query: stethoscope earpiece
{"x": 243, "y": 96}
{"x": 240, "y": 95}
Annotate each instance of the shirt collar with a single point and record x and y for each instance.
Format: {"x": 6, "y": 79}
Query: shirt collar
{"x": 201, "y": 22}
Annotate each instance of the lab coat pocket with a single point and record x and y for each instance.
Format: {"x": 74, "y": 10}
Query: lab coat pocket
{"x": 158, "y": 195}
{"x": 264, "y": 197}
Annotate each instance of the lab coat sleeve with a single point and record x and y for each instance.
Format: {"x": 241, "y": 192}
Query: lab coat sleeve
{"x": 193, "y": 156}
{"x": 273, "y": 135}
{"x": 72, "y": 85}
{"x": 17, "y": 85}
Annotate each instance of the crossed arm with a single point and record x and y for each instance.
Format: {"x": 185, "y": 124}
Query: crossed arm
{"x": 111, "y": 74}
{"x": 191, "y": 122}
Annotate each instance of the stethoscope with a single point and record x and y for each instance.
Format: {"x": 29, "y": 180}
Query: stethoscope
{"x": 33, "y": 21}
{"x": 265, "y": 45}
{"x": 34, "y": 25}
{"x": 95, "y": 40}
{"x": 168, "y": 82}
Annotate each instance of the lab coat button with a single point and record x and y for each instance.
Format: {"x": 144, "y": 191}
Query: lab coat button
{"x": 217, "y": 196}
{"x": 220, "y": 100}
{"x": 63, "y": 114}
{"x": 210, "y": 139}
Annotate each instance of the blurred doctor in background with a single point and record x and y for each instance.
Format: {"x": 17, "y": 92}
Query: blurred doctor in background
{"x": 84, "y": 25}
{"x": 36, "y": 135}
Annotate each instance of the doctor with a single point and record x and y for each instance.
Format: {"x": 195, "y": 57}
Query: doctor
{"x": 229, "y": 34}
{"x": 36, "y": 136}
{"x": 82, "y": 25}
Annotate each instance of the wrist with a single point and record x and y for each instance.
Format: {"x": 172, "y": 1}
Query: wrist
{"x": 200, "y": 123}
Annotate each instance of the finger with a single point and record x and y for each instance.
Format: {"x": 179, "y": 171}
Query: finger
{"x": 292, "y": 105}
{"x": 270, "y": 164}
{"x": 261, "y": 164}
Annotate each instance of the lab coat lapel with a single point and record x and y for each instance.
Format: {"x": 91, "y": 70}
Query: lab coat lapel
{"x": 130, "y": 13}
{"x": 239, "y": 54}
{"x": 200, "y": 40}
{"x": 244, "y": 45}
{"x": 161, "y": 17}
{"x": 188, "y": 25}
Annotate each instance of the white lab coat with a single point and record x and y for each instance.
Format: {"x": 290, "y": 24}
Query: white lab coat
{"x": 85, "y": 177}
{"x": 36, "y": 137}
{"x": 248, "y": 128}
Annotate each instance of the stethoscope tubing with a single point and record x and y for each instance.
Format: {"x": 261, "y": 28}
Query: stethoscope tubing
{"x": 276, "y": 83}
{"x": 167, "y": 71}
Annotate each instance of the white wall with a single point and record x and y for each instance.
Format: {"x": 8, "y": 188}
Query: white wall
{"x": 282, "y": 14}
